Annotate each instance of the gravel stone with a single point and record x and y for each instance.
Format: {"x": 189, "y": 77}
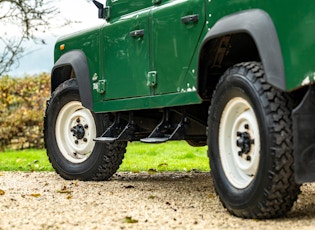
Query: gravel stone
{"x": 43, "y": 200}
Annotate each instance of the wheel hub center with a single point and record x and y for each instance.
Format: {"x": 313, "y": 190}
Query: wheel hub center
{"x": 244, "y": 142}
{"x": 78, "y": 131}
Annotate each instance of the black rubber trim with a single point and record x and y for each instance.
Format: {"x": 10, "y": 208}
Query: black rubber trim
{"x": 304, "y": 136}
{"x": 61, "y": 72}
{"x": 258, "y": 24}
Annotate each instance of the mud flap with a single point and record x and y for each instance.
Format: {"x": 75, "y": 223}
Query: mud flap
{"x": 304, "y": 138}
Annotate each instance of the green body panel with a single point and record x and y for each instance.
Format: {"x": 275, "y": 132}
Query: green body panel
{"x": 159, "y": 69}
{"x": 125, "y": 60}
{"x": 158, "y": 101}
{"x": 173, "y": 43}
{"x": 89, "y": 42}
{"x": 119, "y": 8}
{"x": 128, "y": 61}
{"x": 294, "y": 22}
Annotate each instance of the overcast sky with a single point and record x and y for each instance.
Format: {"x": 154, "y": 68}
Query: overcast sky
{"x": 39, "y": 58}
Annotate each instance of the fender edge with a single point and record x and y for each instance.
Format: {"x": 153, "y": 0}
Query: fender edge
{"x": 77, "y": 60}
{"x": 258, "y": 24}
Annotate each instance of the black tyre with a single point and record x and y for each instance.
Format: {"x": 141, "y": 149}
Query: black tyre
{"x": 195, "y": 143}
{"x": 69, "y": 129}
{"x": 250, "y": 144}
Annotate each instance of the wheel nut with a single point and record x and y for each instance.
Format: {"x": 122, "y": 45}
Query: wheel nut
{"x": 248, "y": 158}
{"x": 78, "y": 120}
{"x": 85, "y": 140}
{"x": 86, "y": 126}
{"x": 76, "y": 141}
{"x": 246, "y": 126}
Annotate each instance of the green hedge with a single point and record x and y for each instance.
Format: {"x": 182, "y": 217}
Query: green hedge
{"x": 22, "y": 107}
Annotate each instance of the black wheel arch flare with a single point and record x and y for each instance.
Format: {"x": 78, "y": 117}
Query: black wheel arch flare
{"x": 75, "y": 61}
{"x": 259, "y": 26}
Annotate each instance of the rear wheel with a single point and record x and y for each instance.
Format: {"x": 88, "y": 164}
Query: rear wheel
{"x": 69, "y": 130}
{"x": 250, "y": 144}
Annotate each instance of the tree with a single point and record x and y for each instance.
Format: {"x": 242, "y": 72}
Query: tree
{"x": 23, "y": 19}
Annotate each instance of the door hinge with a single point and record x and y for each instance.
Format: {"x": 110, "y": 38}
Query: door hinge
{"x": 100, "y": 86}
{"x": 107, "y": 13}
{"x": 152, "y": 79}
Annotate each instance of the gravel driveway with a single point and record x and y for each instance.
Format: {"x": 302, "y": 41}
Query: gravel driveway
{"x": 130, "y": 201}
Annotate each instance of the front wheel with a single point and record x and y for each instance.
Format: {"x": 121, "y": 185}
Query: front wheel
{"x": 69, "y": 130}
{"x": 250, "y": 144}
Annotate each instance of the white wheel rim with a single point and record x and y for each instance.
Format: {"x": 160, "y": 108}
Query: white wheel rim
{"x": 75, "y": 131}
{"x": 239, "y": 125}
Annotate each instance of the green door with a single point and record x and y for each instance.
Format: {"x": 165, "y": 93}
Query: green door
{"x": 176, "y": 26}
{"x": 125, "y": 64}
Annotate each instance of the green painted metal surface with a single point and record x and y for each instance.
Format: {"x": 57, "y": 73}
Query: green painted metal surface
{"x": 153, "y": 102}
{"x": 124, "y": 56}
{"x": 169, "y": 47}
{"x": 294, "y": 22}
{"x": 119, "y": 8}
{"x": 89, "y": 42}
{"x": 176, "y": 29}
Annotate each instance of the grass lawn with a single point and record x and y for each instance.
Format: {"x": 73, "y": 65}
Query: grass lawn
{"x": 171, "y": 156}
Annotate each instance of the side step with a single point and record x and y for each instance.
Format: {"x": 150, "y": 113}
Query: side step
{"x": 118, "y": 131}
{"x": 165, "y": 131}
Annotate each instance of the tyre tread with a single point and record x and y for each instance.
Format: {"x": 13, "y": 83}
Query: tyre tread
{"x": 112, "y": 156}
{"x": 278, "y": 198}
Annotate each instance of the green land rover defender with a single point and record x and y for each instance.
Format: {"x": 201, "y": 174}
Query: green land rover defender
{"x": 235, "y": 75}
